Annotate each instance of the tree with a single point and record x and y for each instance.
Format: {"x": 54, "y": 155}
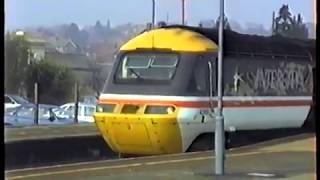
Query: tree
{"x": 108, "y": 25}
{"x": 96, "y": 81}
{"x": 83, "y": 38}
{"x": 55, "y": 82}
{"x": 72, "y": 31}
{"x": 98, "y": 25}
{"x": 226, "y": 24}
{"x": 288, "y": 26}
{"x": 16, "y": 61}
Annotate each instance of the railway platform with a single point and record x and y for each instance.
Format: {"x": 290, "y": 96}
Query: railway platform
{"x": 49, "y": 132}
{"x": 291, "y": 157}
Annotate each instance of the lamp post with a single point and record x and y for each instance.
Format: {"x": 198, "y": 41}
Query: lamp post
{"x": 219, "y": 128}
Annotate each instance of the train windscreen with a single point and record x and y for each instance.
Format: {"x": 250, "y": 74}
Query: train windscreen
{"x": 145, "y": 66}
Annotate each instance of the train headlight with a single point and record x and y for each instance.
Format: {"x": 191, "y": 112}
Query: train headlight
{"x": 99, "y": 109}
{"x": 170, "y": 110}
{"x": 105, "y": 108}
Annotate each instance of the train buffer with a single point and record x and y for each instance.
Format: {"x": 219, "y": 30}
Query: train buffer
{"x": 291, "y": 157}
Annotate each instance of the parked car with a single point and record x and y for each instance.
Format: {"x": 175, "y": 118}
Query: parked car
{"x": 90, "y": 100}
{"x": 11, "y": 101}
{"x": 23, "y": 115}
{"x": 85, "y": 111}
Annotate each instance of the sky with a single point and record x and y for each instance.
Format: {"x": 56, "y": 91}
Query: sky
{"x": 28, "y": 13}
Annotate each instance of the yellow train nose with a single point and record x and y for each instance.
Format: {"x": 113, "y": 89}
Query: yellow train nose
{"x": 140, "y": 133}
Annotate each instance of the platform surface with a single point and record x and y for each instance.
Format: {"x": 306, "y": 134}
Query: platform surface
{"x": 286, "y": 158}
{"x": 47, "y": 132}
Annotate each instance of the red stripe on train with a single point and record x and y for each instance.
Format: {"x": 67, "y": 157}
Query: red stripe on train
{"x": 201, "y": 104}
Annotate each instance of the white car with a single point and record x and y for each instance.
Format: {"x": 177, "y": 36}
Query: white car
{"x": 85, "y": 111}
{"x": 12, "y": 101}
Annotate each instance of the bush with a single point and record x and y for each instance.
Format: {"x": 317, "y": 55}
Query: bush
{"x": 55, "y": 82}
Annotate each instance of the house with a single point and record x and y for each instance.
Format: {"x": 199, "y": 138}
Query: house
{"x": 66, "y": 47}
{"x": 38, "y": 46}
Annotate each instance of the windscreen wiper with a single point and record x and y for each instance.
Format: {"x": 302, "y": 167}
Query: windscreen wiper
{"x": 135, "y": 73}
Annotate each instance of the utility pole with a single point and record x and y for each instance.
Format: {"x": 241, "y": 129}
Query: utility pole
{"x": 36, "y": 102}
{"x": 273, "y": 23}
{"x": 76, "y": 105}
{"x": 315, "y": 17}
{"x": 219, "y": 129}
{"x": 154, "y": 13}
{"x": 183, "y": 8}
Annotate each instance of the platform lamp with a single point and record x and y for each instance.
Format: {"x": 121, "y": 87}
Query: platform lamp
{"x": 219, "y": 127}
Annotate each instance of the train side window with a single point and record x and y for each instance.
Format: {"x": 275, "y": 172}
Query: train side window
{"x": 202, "y": 76}
{"x": 192, "y": 84}
{"x": 214, "y": 75}
{"x": 199, "y": 80}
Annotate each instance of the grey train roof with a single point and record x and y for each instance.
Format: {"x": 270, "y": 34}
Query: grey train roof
{"x": 254, "y": 45}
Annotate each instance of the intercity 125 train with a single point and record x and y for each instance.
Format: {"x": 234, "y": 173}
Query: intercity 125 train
{"x": 157, "y": 97}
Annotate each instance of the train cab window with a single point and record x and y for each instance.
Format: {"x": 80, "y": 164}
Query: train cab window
{"x": 147, "y": 66}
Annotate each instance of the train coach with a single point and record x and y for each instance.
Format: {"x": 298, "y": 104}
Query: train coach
{"x": 157, "y": 100}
